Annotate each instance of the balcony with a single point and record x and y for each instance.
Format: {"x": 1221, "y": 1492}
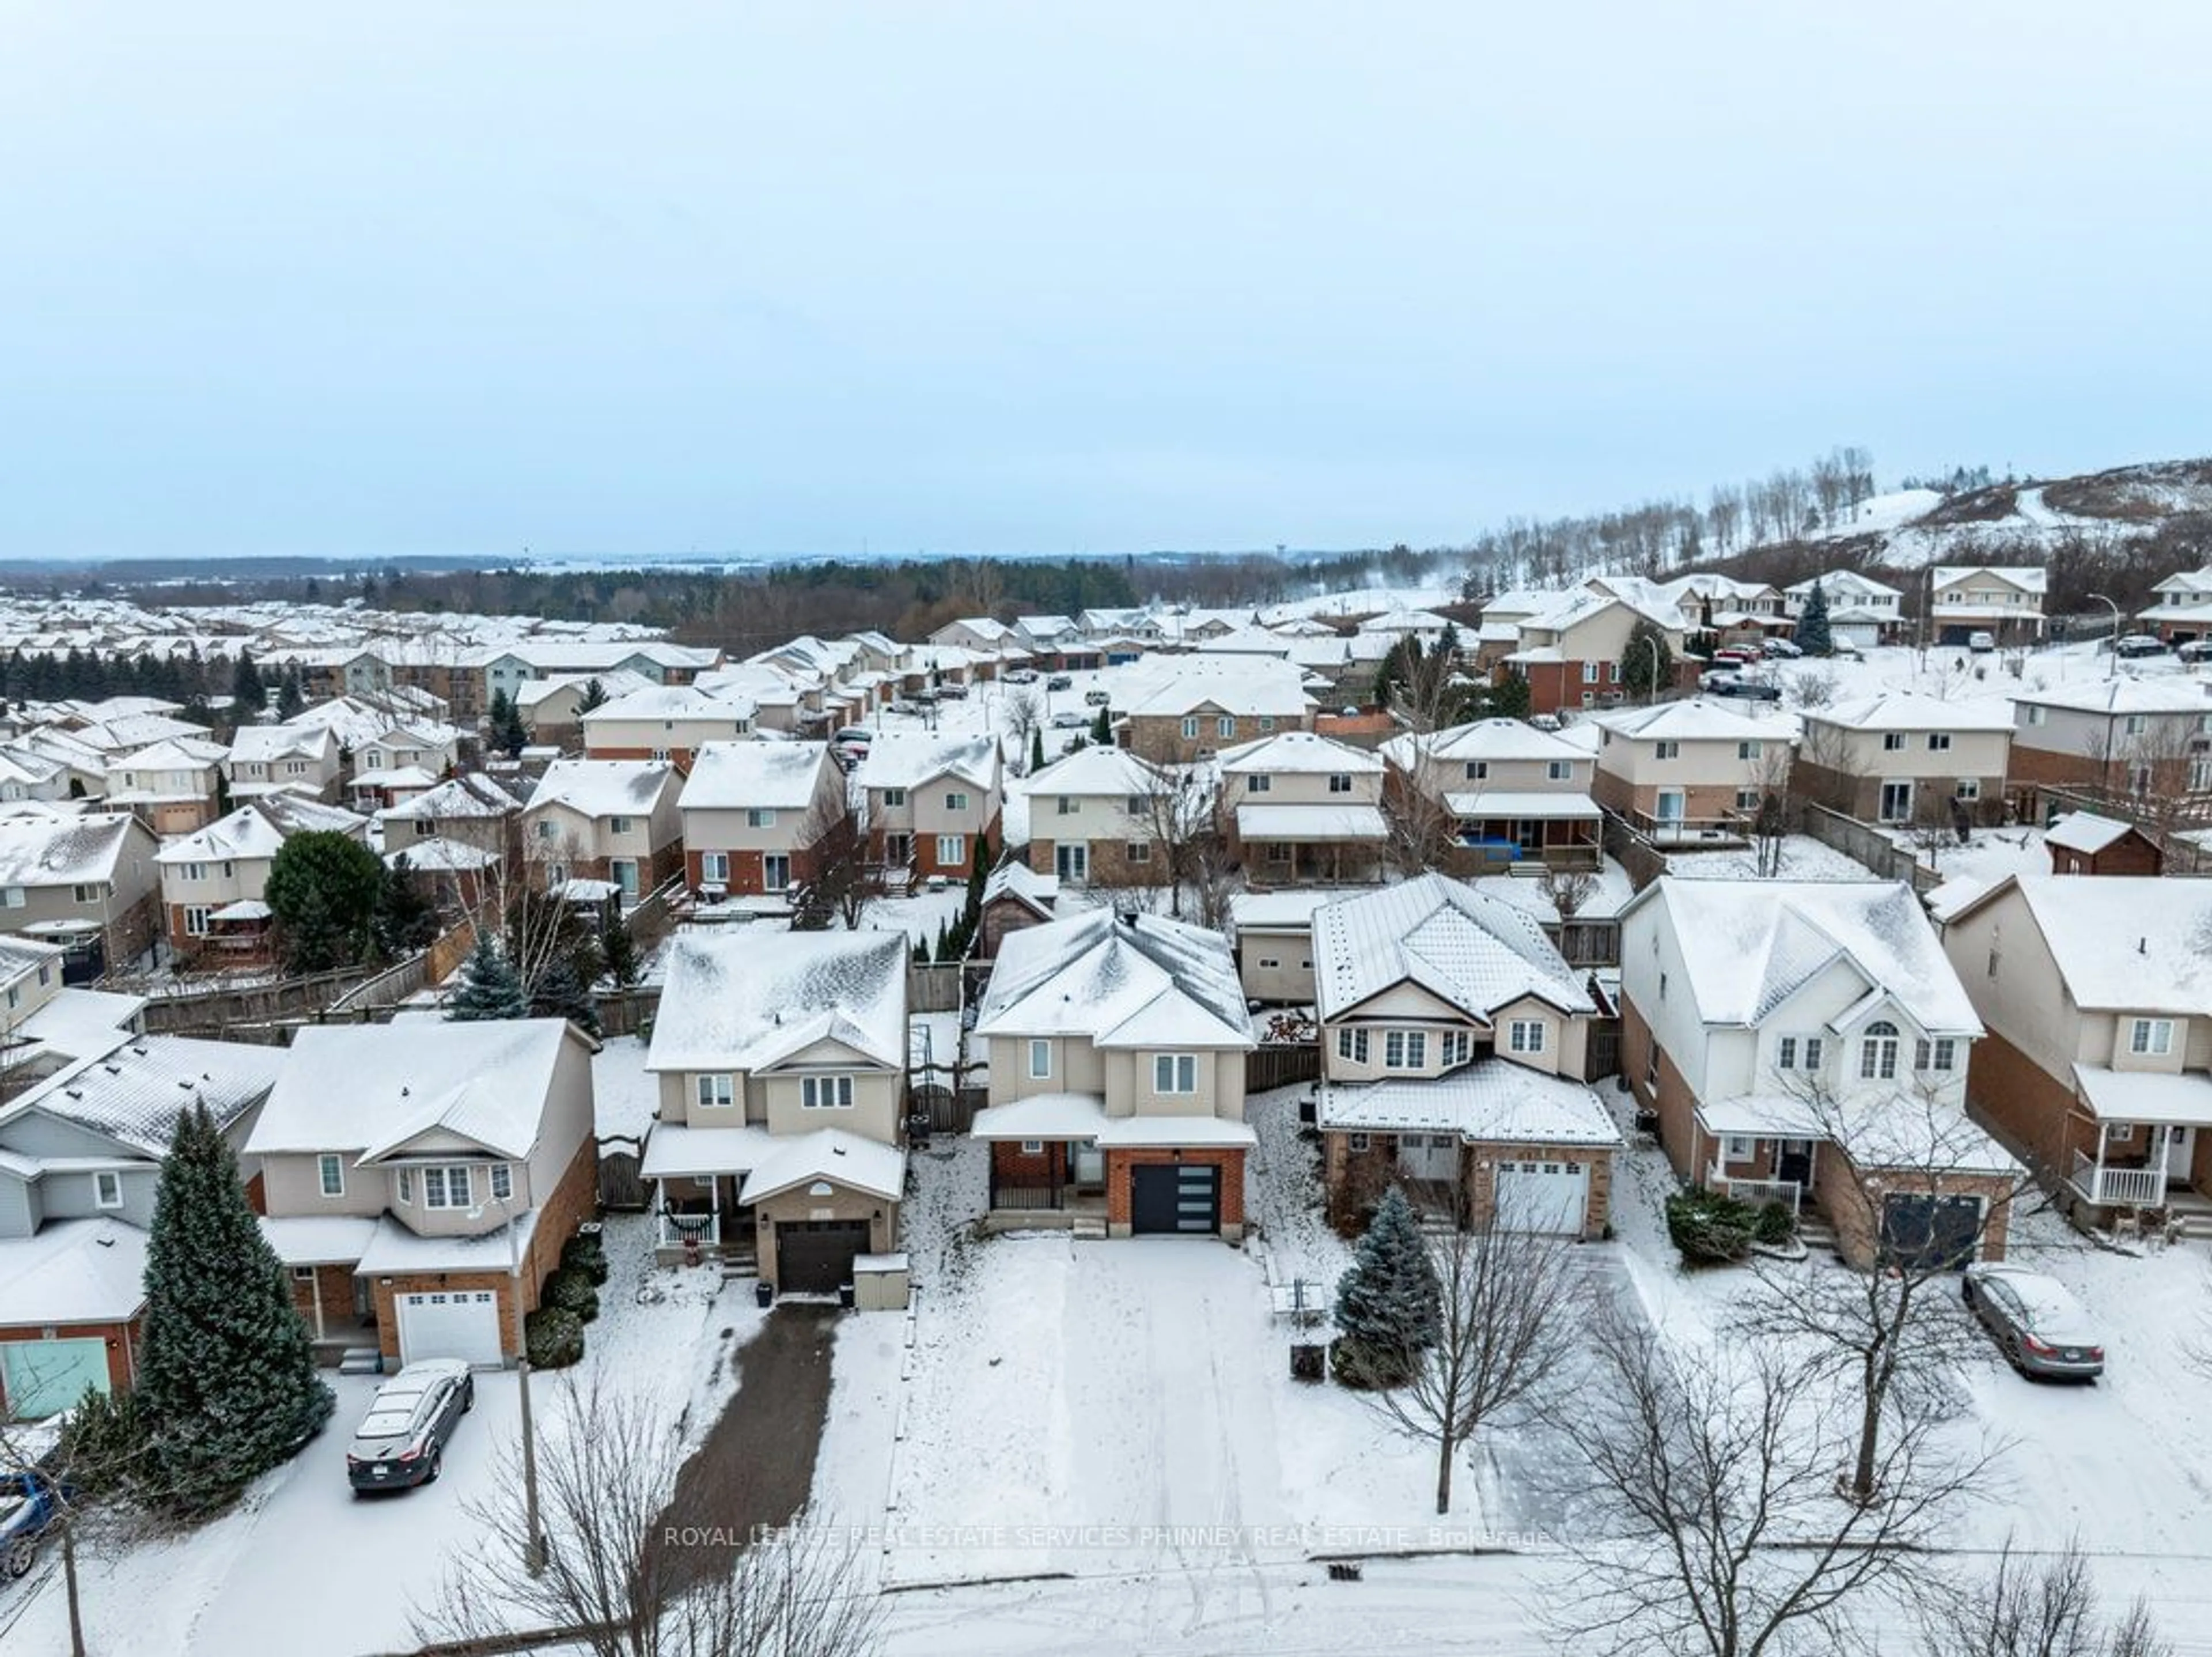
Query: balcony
{"x": 2110, "y": 1187}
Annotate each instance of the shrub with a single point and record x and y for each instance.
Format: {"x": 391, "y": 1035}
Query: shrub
{"x": 571, "y": 1291}
{"x": 583, "y": 1253}
{"x": 553, "y": 1339}
{"x": 1710, "y": 1228}
{"x": 1366, "y": 1369}
{"x": 1776, "y": 1224}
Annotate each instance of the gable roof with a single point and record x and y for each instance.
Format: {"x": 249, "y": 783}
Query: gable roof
{"x": 2028, "y": 578}
{"x": 604, "y": 788}
{"x": 1473, "y": 950}
{"x": 2084, "y": 830}
{"x": 471, "y": 794}
{"x": 259, "y": 744}
{"x": 1102, "y": 769}
{"x": 1483, "y": 739}
{"x": 354, "y": 1088}
{"x": 1749, "y": 946}
{"x": 735, "y": 1002}
{"x": 2125, "y": 694}
{"x": 2122, "y": 942}
{"x": 1123, "y": 980}
{"x": 1694, "y": 720}
{"x": 73, "y": 1272}
{"x": 1288, "y": 752}
{"x": 733, "y": 776}
{"x": 46, "y": 851}
{"x": 894, "y": 761}
{"x": 137, "y": 1091}
{"x": 1909, "y": 710}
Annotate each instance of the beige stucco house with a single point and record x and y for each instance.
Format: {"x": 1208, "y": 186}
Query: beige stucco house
{"x": 1301, "y": 808}
{"x": 1686, "y": 770}
{"x": 605, "y": 820}
{"x": 1900, "y": 756}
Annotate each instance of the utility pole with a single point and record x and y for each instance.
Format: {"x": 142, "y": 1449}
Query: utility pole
{"x": 2111, "y": 668}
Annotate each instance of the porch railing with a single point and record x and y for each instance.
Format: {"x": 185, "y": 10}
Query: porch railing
{"x": 694, "y": 1230}
{"x": 1028, "y": 1198}
{"x": 1757, "y": 1192}
{"x": 2127, "y": 1187}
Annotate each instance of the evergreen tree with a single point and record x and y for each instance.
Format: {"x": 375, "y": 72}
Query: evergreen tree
{"x": 619, "y": 951}
{"x": 508, "y": 734}
{"x": 227, "y": 1381}
{"x": 404, "y": 921}
{"x": 979, "y": 876}
{"x": 324, "y": 888}
{"x": 489, "y": 987}
{"x": 1102, "y": 728}
{"x": 1036, "y": 749}
{"x": 1647, "y": 665}
{"x": 1387, "y": 1305}
{"x": 560, "y": 993}
{"x": 1509, "y": 697}
{"x": 247, "y": 688}
{"x": 291, "y": 696}
{"x": 1814, "y": 636}
{"x": 594, "y": 695}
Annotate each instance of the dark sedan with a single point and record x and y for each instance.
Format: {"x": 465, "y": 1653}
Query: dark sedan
{"x": 2038, "y": 1326}
{"x": 401, "y": 1442}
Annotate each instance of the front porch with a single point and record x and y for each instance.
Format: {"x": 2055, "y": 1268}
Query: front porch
{"x": 1047, "y": 1169}
{"x": 2137, "y": 1136}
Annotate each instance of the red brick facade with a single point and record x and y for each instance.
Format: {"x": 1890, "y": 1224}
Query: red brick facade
{"x": 122, "y": 1349}
{"x": 1230, "y": 1162}
{"x": 1354, "y": 1178}
{"x": 746, "y": 876}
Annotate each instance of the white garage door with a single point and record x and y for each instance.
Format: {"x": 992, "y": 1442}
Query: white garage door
{"x": 461, "y": 1325}
{"x": 1429, "y": 1155}
{"x": 1543, "y": 1196}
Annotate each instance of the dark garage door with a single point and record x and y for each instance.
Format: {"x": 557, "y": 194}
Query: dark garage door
{"x": 1175, "y": 1197}
{"x": 1924, "y": 1233}
{"x": 815, "y": 1257}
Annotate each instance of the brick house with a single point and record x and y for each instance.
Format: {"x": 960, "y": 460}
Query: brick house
{"x": 1807, "y": 1042}
{"x": 2097, "y": 1063}
{"x": 1508, "y": 790}
{"x": 297, "y": 759}
{"x": 1688, "y": 769}
{"x": 929, "y": 801}
{"x": 171, "y": 785}
{"x": 1191, "y": 708}
{"x": 80, "y": 1161}
{"x": 420, "y": 1178}
{"x": 1095, "y": 815}
{"x": 2120, "y": 736}
{"x": 752, "y": 813}
{"x": 1301, "y": 809}
{"x": 2082, "y": 842}
{"x": 1899, "y": 756}
{"x": 1570, "y": 651}
{"x": 2183, "y": 612}
{"x": 1454, "y": 1042}
{"x": 1117, "y": 1044}
{"x": 670, "y": 722}
{"x": 605, "y": 820}
{"x": 552, "y": 708}
{"x": 780, "y": 1120}
{"x": 212, "y": 880}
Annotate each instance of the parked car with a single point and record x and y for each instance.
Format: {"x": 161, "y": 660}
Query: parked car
{"x": 2139, "y": 644}
{"x": 401, "y": 1442}
{"x": 860, "y": 734}
{"x": 1786, "y": 650}
{"x": 1097, "y": 698}
{"x": 2039, "y": 1327}
{"x": 2196, "y": 650}
{"x": 1738, "y": 654}
{"x": 1747, "y": 690}
{"x": 904, "y": 705}
{"x": 1845, "y": 648}
{"x": 1981, "y": 643}
{"x": 1070, "y": 720}
{"x": 28, "y": 1512}
{"x": 1545, "y": 722}
{"x": 1020, "y": 676}
{"x": 952, "y": 692}
{"x": 1059, "y": 682}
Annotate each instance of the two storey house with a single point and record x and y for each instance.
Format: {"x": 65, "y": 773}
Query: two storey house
{"x": 1301, "y": 808}
{"x": 753, "y": 812}
{"x": 1899, "y": 756}
{"x": 615, "y": 820}
{"x": 1508, "y": 791}
{"x": 929, "y": 801}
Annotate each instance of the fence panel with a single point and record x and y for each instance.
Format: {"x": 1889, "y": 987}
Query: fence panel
{"x": 1281, "y": 1067}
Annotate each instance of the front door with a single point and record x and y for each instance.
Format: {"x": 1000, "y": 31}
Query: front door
{"x": 1070, "y": 861}
{"x": 1794, "y": 1164}
{"x": 2180, "y": 1154}
{"x": 1896, "y": 803}
{"x": 1089, "y": 1163}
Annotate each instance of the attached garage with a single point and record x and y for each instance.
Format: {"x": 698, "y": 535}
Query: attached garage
{"x": 457, "y": 1324}
{"x": 1432, "y": 1156}
{"x": 815, "y": 1257}
{"x": 1544, "y": 1195}
{"x": 41, "y": 1378}
{"x": 1922, "y": 1232}
{"x": 1167, "y": 1198}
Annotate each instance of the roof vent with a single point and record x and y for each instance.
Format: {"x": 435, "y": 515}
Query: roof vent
{"x": 2143, "y": 946}
{"x": 404, "y": 1090}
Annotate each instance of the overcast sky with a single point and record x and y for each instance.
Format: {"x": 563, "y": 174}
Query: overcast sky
{"x": 1046, "y": 277}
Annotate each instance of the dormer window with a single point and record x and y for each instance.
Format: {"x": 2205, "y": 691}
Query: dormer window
{"x": 1878, "y": 1052}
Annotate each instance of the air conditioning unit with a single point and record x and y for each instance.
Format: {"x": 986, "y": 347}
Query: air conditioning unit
{"x": 713, "y": 891}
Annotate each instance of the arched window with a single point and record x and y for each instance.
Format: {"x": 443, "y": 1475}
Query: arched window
{"x": 1878, "y": 1052}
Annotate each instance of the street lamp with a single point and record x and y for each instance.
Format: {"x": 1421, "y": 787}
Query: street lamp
{"x": 534, "y": 1543}
{"x": 2114, "y": 670}
{"x": 1651, "y": 689}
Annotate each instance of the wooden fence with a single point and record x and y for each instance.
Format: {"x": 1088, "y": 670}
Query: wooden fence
{"x": 1863, "y": 843}
{"x": 1281, "y": 1067}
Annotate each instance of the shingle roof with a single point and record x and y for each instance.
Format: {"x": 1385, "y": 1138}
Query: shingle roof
{"x": 137, "y": 1093}
{"x": 896, "y": 762}
{"x": 1297, "y": 751}
{"x": 604, "y": 788}
{"x": 732, "y": 775}
{"x": 1120, "y": 979}
{"x": 46, "y": 851}
{"x": 1475, "y": 951}
{"x": 735, "y": 1002}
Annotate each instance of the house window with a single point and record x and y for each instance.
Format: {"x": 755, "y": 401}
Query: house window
{"x": 1226, "y": 726}
{"x": 546, "y": 828}
{"x": 196, "y": 871}
{"x": 620, "y": 825}
{"x": 1939, "y": 741}
{"x": 1190, "y": 727}
{"x": 716, "y": 1093}
{"x": 1968, "y": 788}
{"x": 661, "y": 755}
{"x": 13, "y": 898}
{"x": 760, "y": 816}
{"x": 85, "y": 894}
{"x": 108, "y": 1190}
{"x": 2135, "y": 724}
{"x": 1746, "y": 750}
{"x": 1140, "y": 851}
{"x": 1040, "y": 1061}
{"x": 825, "y": 1093}
{"x": 1940, "y": 1054}
{"x": 1032, "y": 1147}
{"x": 1406, "y": 1050}
{"x": 1355, "y": 1142}
{"x": 2118, "y": 1132}
{"x": 448, "y": 1187}
{"x": 1525, "y": 1036}
{"x": 1560, "y": 771}
{"x": 1065, "y": 808}
{"x": 330, "y": 1168}
{"x": 1738, "y": 1147}
{"x": 714, "y": 868}
{"x": 1746, "y": 798}
{"x": 951, "y": 849}
{"x": 1174, "y": 1073}
{"x": 1266, "y": 722}
{"x": 1269, "y": 963}
{"x": 894, "y": 796}
{"x": 1135, "y": 805}
{"x": 196, "y": 920}
{"x": 1478, "y": 771}
{"x": 956, "y": 801}
{"x": 2035, "y": 715}
{"x": 1279, "y": 851}
{"x": 1338, "y": 783}
{"x": 1352, "y": 1045}
{"x": 1878, "y": 1053}
{"x": 1666, "y": 750}
{"x": 1258, "y": 785}
{"x": 1892, "y": 742}
{"x": 502, "y": 1182}
{"x": 1459, "y": 1047}
{"x": 2151, "y": 1036}
{"x": 1785, "y": 1053}
{"x": 406, "y": 1183}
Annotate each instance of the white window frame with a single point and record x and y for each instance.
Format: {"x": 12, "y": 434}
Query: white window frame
{"x": 894, "y": 797}
{"x": 714, "y": 868}
{"x": 1261, "y": 784}
{"x": 107, "y": 1189}
{"x": 956, "y": 801}
{"x": 1525, "y": 1036}
{"x": 1225, "y": 726}
{"x": 1739, "y": 1147}
{"x": 714, "y": 1090}
{"x": 1352, "y": 1045}
{"x": 1878, "y": 1052}
{"x": 951, "y": 849}
{"x": 1892, "y": 742}
{"x": 449, "y": 1185}
{"x": 501, "y": 1182}
{"x": 1670, "y": 750}
{"x": 1939, "y": 741}
{"x": 405, "y": 1183}
{"x": 1039, "y": 1059}
{"x": 1175, "y": 1074}
{"x": 1560, "y": 771}
{"x": 825, "y": 1093}
{"x": 1190, "y": 728}
{"x": 196, "y": 919}
{"x": 2150, "y": 1038}
{"x": 1339, "y": 783}
{"x": 759, "y": 817}
{"x": 327, "y": 1165}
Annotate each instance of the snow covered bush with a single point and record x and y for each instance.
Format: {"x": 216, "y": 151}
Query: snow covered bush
{"x": 553, "y": 1339}
{"x": 572, "y": 1292}
{"x": 584, "y": 1254}
{"x": 1710, "y": 1228}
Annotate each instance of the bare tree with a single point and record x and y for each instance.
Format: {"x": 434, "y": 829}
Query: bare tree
{"x": 1769, "y": 819}
{"x": 1421, "y": 824}
{"x": 1506, "y": 1315}
{"x": 622, "y": 1577}
{"x": 1567, "y": 889}
{"x": 1828, "y": 769}
{"x": 1174, "y": 819}
{"x": 1812, "y": 688}
{"x": 2027, "y": 1609}
{"x": 1718, "y": 1465}
{"x": 1021, "y": 710}
{"x": 846, "y": 879}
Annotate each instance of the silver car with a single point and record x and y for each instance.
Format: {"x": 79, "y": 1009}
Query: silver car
{"x": 2040, "y": 1327}
{"x": 401, "y": 1442}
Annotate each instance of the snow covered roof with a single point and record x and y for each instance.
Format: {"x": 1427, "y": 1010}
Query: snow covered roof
{"x": 1894, "y": 1131}
{"x": 73, "y": 1272}
{"x": 613, "y": 683}
{"x": 1111, "y": 772}
{"x": 2085, "y": 831}
{"x": 1017, "y": 881}
{"x": 2124, "y": 942}
{"x": 676, "y": 1151}
{"x": 1535, "y": 806}
{"x": 261, "y": 744}
{"x": 900, "y": 762}
{"x": 78, "y": 1023}
{"x": 1288, "y": 910}
{"x": 319, "y": 1240}
{"x": 349, "y": 1088}
{"x": 1842, "y": 581}
{"x": 604, "y": 788}
{"x": 1484, "y": 739}
{"x": 732, "y": 1002}
{"x": 673, "y": 702}
{"x": 245, "y": 835}
{"x": 1748, "y": 946}
{"x": 438, "y": 855}
{"x": 831, "y": 1154}
{"x": 1474, "y": 950}
{"x": 2125, "y": 694}
{"x": 2181, "y": 1098}
{"x": 473, "y": 795}
{"x": 734, "y": 775}
{"x": 1311, "y": 822}
{"x": 1123, "y": 979}
{"x": 47, "y": 851}
{"x": 1243, "y": 685}
{"x": 2029, "y": 578}
{"x": 1289, "y": 752}
{"x": 1695, "y": 720}
{"x": 1907, "y": 710}
{"x": 246, "y": 908}
{"x": 1160, "y": 1132}
{"x": 1492, "y": 1101}
{"x": 392, "y": 1249}
{"x": 1042, "y": 1115}
{"x": 136, "y": 1092}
